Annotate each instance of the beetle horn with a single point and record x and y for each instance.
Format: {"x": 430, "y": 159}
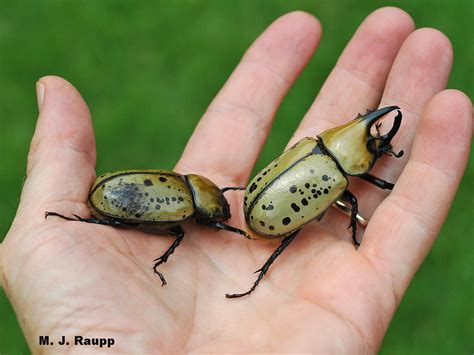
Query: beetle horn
{"x": 381, "y": 144}
{"x": 354, "y": 147}
{"x": 372, "y": 116}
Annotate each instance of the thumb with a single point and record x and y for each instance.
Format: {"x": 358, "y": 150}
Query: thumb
{"x": 61, "y": 160}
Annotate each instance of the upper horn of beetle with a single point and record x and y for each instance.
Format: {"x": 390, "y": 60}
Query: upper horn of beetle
{"x": 354, "y": 147}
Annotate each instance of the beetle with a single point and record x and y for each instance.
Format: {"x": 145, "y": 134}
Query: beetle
{"x": 302, "y": 183}
{"x": 162, "y": 199}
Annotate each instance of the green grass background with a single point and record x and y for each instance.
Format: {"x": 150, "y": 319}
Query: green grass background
{"x": 148, "y": 69}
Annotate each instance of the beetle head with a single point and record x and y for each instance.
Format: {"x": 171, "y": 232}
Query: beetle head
{"x": 209, "y": 201}
{"x": 354, "y": 147}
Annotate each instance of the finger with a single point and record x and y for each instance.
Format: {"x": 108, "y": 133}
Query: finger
{"x": 420, "y": 70}
{"x": 357, "y": 81}
{"x": 62, "y": 152}
{"x": 236, "y": 124}
{"x": 406, "y": 224}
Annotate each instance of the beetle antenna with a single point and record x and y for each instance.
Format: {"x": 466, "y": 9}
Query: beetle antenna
{"x": 396, "y": 155}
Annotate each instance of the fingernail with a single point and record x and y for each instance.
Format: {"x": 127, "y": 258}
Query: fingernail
{"x": 39, "y": 94}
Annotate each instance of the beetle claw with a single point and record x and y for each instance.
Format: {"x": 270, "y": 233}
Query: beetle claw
{"x": 160, "y": 275}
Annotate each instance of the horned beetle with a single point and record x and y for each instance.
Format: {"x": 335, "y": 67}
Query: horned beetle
{"x": 301, "y": 184}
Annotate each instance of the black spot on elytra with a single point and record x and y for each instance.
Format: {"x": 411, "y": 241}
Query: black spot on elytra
{"x": 313, "y": 191}
{"x": 146, "y": 193}
{"x": 253, "y": 187}
{"x": 138, "y": 215}
{"x": 319, "y": 193}
{"x": 269, "y": 207}
{"x": 311, "y": 171}
{"x": 304, "y": 202}
{"x": 163, "y": 179}
{"x": 286, "y": 221}
{"x": 262, "y": 223}
{"x": 326, "y": 191}
{"x": 264, "y": 173}
{"x": 180, "y": 199}
{"x": 157, "y": 207}
{"x": 152, "y": 199}
{"x": 295, "y": 207}
{"x": 259, "y": 178}
{"x": 105, "y": 197}
{"x": 173, "y": 199}
{"x": 325, "y": 177}
{"x": 124, "y": 209}
{"x": 293, "y": 189}
{"x": 314, "y": 185}
{"x": 271, "y": 228}
{"x": 169, "y": 187}
{"x": 307, "y": 185}
{"x": 315, "y": 195}
{"x": 184, "y": 216}
{"x": 275, "y": 165}
{"x": 148, "y": 182}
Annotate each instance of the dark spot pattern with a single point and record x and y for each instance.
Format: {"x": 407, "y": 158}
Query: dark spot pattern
{"x": 325, "y": 177}
{"x": 163, "y": 179}
{"x": 262, "y": 223}
{"x": 304, "y": 202}
{"x": 293, "y": 189}
{"x": 180, "y": 199}
{"x": 311, "y": 171}
{"x": 148, "y": 182}
{"x": 307, "y": 185}
{"x": 326, "y": 191}
{"x": 286, "y": 221}
{"x": 271, "y": 228}
{"x": 253, "y": 187}
{"x": 295, "y": 207}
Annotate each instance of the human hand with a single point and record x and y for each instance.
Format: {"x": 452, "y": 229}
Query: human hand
{"x": 321, "y": 295}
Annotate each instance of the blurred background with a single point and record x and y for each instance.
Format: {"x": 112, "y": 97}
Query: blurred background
{"x": 149, "y": 69}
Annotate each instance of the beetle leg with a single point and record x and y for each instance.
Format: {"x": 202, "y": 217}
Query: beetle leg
{"x": 224, "y": 189}
{"x": 179, "y": 234}
{"x": 228, "y": 228}
{"x": 349, "y": 197}
{"x": 107, "y": 222}
{"x": 377, "y": 181}
{"x": 263, "y": 270}
{"x": 347, "y": 210}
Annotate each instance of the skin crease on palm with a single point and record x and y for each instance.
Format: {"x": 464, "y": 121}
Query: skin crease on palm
{"x": 321, "y": 295}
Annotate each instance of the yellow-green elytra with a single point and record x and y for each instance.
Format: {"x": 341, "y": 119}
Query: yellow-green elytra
{"x": 157, "y": 197}
{"x": 160, "y": 198}
{"x": 309, "y": 184}
{"x": 308, "y": 178}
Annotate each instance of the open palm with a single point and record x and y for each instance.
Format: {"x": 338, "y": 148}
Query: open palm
{"x": 321, "y": 295}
